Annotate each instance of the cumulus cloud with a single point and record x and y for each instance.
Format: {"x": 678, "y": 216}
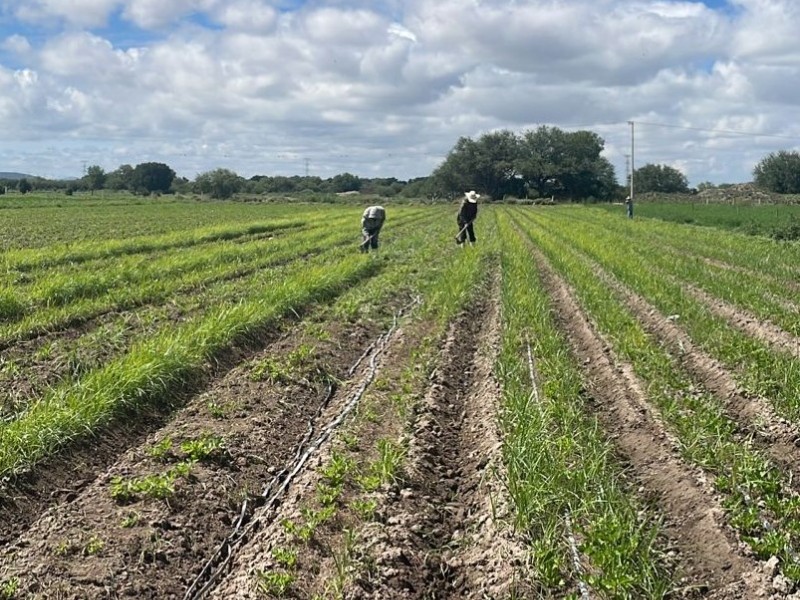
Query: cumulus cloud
{"x": 386, "y": 88}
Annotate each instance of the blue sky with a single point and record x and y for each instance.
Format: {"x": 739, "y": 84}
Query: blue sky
{"x": 387, "y": 88}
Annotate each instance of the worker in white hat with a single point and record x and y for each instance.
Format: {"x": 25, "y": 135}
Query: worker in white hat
{"x": 466, "y": 217}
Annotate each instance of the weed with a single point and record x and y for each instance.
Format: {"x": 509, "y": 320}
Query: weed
{"x": 365, "y": 509}
{"x": 286, "y": 557}
{"x": 93, "y": 546}
{"x": 205, "y": 447}
{"x": 350, "y": 440}
{"x": 390, "y": 457}
{"x": 64, "y": 548}
{"x": 274, "y": 583}
{"x": 9, "y": 588}
{"x": 219, "y": 410}
{"x": 289, "y": 369}
{"x": 130, "y": 520}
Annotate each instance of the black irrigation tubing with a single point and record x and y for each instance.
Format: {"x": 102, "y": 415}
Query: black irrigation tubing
{"x": 271, "y": 496}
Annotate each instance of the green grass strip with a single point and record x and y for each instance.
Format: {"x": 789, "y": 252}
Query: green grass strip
{"x": 558, "y": 460}
{"x": 758, "y": 497}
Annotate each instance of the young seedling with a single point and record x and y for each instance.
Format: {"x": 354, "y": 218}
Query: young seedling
{"x": 286, "y": 557}
{"x": 274, "y": 583}
{"x": 205, "y": 447}
{"x": 93, "y": 546}
{"x": 130, "y": 520}
{"x": 162, "y": 451}
{"x": 9, "y": 588}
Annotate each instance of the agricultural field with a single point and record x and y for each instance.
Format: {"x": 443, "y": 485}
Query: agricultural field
{"x": 228, "y": 400}
{"x": 779, "y": 221}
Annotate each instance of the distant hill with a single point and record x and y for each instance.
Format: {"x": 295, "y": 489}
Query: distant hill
{"x": 13, "y": 175}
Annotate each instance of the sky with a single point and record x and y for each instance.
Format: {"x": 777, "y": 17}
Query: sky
{"x": 385, "y": 88}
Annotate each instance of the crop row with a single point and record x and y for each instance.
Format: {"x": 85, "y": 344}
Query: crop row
{"x": 168, "y": 360}
{"x": 760, "y": 501}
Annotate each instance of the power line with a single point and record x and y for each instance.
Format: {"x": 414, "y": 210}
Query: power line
{"x": 729, "y": 131}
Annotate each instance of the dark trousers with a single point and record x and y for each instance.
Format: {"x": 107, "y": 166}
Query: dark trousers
{"x": 465, "y": 231}
{"x": 370, "y": 239}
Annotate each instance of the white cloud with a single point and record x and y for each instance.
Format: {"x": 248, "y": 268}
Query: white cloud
{"x": 82, "y": 13}
{"x": 388, "y": 87}
{"x": 17, "y": 44}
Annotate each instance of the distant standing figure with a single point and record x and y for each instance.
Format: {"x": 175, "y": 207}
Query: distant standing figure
{"x": 371, "y": 223}
{"x": 629, "y": 207}
{"x": 466, "y": 217}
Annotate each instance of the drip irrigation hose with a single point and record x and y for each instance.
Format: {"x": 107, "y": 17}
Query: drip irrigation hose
{"x": 576, "y": 558}
{"x": 534, "y": 388}
{"x": 271, "y": 496}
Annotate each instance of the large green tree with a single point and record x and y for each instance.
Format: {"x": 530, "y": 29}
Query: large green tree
{"x": 779, "y": 172}
{"x": 345, "y": 182}
{"x": 486, "y": 164}
{"x": 219, "y": 183}
{"x": 553, "y": 162}
{"x": 151, "y": 177}
{"x": 120, "y": 178}
{"x": 659, "y": 178}
{"x": 95, "y": 178}
{"x": 545, "y": 161}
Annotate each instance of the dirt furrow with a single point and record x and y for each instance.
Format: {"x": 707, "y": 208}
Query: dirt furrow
{"x": 450, "y": 536}
{"x": 441, "y": 528}
{"x": 767, "y": 332}
{"x": 237, "y": 577}
{"x": 778, "y": 436}
{"x": 709, "y": 557}
{"x": 153, "y": 543}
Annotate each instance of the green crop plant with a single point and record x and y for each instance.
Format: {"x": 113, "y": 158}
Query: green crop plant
{"x": 337, "y": 469}
{"x": 158, "y": 486}
{"x": 285, "y": 557}
{"x": 744, "y": 475}
{"x": 558, "y": 462}
{"x": 364, "y": 508}
{"x": 274, "y": 583}
{"x": 166, "y": 361}
{"x": 206, "y": 447}
{"x": 162, "y": 450}
{"x": 9, "y": 588}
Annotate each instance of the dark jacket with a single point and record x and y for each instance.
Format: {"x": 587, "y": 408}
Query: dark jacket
{"x": 468, "y": 212}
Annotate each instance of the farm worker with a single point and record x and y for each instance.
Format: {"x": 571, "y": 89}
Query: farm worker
{"x": 629, "y": 207}
{"x": 466, "y": 217}
{"x": 371, "y": 223}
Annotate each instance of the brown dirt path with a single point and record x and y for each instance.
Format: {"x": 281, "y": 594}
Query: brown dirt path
{"x": 708, "y": 554}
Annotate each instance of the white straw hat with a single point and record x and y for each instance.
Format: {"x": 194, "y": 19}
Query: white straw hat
{"x": 472, "y": 196}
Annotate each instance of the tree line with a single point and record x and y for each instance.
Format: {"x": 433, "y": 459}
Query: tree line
{"x": 546, "y": 162}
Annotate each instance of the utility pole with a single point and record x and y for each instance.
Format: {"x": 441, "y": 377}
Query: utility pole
{"x": 627, "y": 167}
{"x": 307, "y": 163}
{"x": 632, "y": 156}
